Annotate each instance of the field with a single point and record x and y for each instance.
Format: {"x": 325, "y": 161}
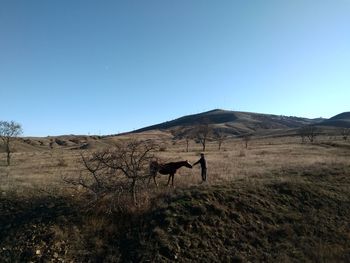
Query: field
{"x": 277, "y": 200}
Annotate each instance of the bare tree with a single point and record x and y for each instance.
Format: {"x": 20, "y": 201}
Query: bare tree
{"x": 187, "y": 139}
{"x": 302, "y": 133}
{"x": 309, "y": 132}
{"x": 202, "y": 134}
{"x": 188, "y": 136}
{"x": 8, "y": 131}
{"x": 246, "y": 139}
{"x": 345, "y": 133}
{"x": 220, "y": 137}
{"x": 122, "y": 169}
{"x": 183, "y": 134}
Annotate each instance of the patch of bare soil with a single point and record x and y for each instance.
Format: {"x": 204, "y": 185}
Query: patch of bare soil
{"x": 27, "y": 231}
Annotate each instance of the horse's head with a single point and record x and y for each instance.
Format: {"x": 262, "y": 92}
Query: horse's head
{"x": 153, "y": 165}
{"x": 187, "y": 164}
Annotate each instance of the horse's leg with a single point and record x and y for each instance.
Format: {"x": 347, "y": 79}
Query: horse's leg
{"x": 168, "y": 179}
{"x": 172, "y": 179}
{"x": 154, "y": 179}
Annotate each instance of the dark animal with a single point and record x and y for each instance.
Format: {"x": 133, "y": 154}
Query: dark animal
{"x": 166, "y": 169}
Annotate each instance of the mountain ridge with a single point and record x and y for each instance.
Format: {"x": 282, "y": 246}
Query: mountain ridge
{"x": 234, "y": 122}
{"x": 231, "y": 123}
{"x": 340, "y": 120}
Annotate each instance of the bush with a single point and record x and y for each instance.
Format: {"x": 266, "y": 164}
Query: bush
{"x": 120, "y": 171}
{"x": 162, "y": 148}
{"x": 60, "y": 142}
{"x": 62, "y": 162}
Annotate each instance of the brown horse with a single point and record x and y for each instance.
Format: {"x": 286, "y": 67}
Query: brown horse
{"x": 166, "y": 169}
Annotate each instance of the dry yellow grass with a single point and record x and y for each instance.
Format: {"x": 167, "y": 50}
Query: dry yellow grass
{"x": 249, "y": 191}
{"x": 43, "y": 170}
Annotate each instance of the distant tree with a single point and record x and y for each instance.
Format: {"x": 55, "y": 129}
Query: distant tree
{"x": 309, "y": 132}
{"x": 202, "y": 133}
{"x": 189, "y": 135}
{"x": 8, "y": 131}
{"x": 302, "y": 134}
{"x": 246, "y": 139}
{"x": 187, "y": 139}
{"x": 181, "y": 134}
{"x": 345, "y": 133}
{"x": 220, "y": 137}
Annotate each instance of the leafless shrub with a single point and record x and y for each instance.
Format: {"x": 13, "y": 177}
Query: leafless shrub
{"x": 51, "y": 144}
{"x": 60, "y": 142}
{"x": 202, "y": 133}
{"x": 187, "y": 139}
{"x": 190, "y": 135}
{"x": 345, "y": 133}
{"x": 309, "y": 132}
{"x": 246, "y": 139}
{"x": 75, "y": 140}
{"x": 62, "y": 162}
{"x": 120, "y": 171}
{"x": 220, "y": 137}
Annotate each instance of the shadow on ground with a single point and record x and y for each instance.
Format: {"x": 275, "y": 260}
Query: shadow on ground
{"x": 294, "y": 215}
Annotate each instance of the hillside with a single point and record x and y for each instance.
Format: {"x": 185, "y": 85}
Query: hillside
{"x": 300, "y": 215}
{"x": 233, "y": 122}
{"x": 290, "y": 220}
{"x": 341, "y": 120}
{"x": 79, "y": 142}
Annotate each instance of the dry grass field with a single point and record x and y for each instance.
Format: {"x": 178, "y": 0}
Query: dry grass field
{"x": 44, "y": 169}
{"x": 277, "y": 200}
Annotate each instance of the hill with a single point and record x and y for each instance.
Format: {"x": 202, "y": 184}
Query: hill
{"x": 342, "y": 116}
{"x": 233, "y": 122}
{"x": 80, "y": 142}
{"x": 341, "y": 120}
{"x": 290, "y": 220}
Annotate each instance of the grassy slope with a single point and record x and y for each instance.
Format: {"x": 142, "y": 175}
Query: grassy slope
{"x": 290, "y": 216}
{"x": 303, "y": 216}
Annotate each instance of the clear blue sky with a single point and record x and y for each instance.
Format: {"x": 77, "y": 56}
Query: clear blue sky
{"x": 102, "y": 67}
